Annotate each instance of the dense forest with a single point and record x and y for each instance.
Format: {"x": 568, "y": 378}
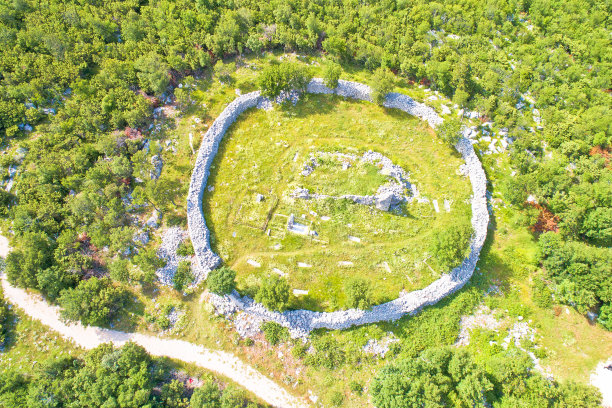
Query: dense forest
{"x": 86, "y": 76}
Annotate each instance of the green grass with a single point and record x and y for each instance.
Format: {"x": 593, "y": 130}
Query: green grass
{"x": 30, "y": 343}
{"x": 572, "y": 345}
{"x": 264, "y": 153}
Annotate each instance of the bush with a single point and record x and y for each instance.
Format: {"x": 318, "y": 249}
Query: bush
{"x": 182, "y": 276}
{"x": 148, "y": 262}
{"x": 273, "y": 293}
{"x": 185, "y": 249}
{"x": 221, "y": 281}
{"x": 541, "y": 294}
{"x": 383, "y": 83}
{"x": 328, "y": 353}
{"x": 233, "y": 397}
{"x": 224, "y": 71}
{"x": 450, "y": 245}
{"x": 52, "y": 281}
{"x": 118, "y": 270}
{"x": 275, "y": 79}
{"x": 357, "y": 294}
{"x": 336, "y": 398}
{"x": 207, "y": 396}
{"x": 450, "y": 131}
{"x": 94, "y": 302}
{"x": 274, "y": 332}
{"x": 569, "y": 293}
{"x": 4, "y": 320}
{"x": 605, "y": 316}
{"x": 331, "y": 75}
{"x": 356, "y": 387}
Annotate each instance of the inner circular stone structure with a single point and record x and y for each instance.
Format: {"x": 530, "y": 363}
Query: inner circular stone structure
{"x": 329, "y": 190}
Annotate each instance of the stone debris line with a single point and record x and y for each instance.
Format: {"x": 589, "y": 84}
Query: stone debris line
{"x": 301, "y": 322}
{"x": 221, "y": 362}
{"x": 387, "y": 197}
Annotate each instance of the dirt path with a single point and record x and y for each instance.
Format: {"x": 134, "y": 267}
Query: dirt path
{"x": 220, "y": 362}
{"x": 602, "y": 379}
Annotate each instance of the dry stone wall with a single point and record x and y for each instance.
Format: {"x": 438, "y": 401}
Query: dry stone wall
{"x": 301, "y": 322}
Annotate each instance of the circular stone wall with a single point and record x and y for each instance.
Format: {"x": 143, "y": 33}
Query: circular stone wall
{"x": 301, "y": 322}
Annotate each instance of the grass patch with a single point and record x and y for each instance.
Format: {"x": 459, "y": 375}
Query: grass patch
{"x": 265, "y": 153}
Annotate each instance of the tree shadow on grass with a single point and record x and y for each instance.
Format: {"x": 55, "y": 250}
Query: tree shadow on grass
{"x": 10, "y": 330}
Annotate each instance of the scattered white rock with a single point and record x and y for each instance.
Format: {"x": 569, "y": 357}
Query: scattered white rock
{"x": 303, "y": 265}
{"x": 279, "y": 272}
{"x": 253, "y": 263}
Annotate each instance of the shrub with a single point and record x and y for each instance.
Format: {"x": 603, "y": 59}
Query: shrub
{"x": 383, "y": 83}
{"x": 221, "y": 281}
{"x": 148, "y": 262}
{"x": 224, "y": 71}
{"x": 207, "y": 396}
{"x": 274, "y": 332}
{"x": 93, "y": 302}
{"x": 275, "y": 79}
{"x": 185, "y": 249}
{"x": 336, "y": 398}
{"x": 331, "y": 75}
{"x": 328, "y": 353}
{"x": 118, "y": 270}
{"x": 273, "y": 293}
{"x": 4, "y": 320}
{"x": 356, "y": 387}
{"x": 182, "y": 276}
{"x": 569, "y": 293}
{"x": 605, "y": 316}
{"x": 232, "y": 397}
{"x": 53, "y": 280}
{"x": 450, "y": 131}
{"x": 357, "y": 294}
{"x": 541, "y": 294}
{"x": 449, "y": 246}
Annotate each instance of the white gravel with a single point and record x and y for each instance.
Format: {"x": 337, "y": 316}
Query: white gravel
{"x": 602, "y": 379}
{"x": 4, "y": 246}
{"x": 220, "y": 362}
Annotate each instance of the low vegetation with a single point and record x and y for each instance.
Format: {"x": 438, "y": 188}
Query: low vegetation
{"x": 109, "y": 377}
{"x": 273, "y": 293}
{"x": 221, "y": 280}
{"x": 4, "y": 320}
{"x": 442, "y": 377}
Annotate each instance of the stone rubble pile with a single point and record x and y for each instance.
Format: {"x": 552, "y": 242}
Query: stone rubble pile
{"x": 482, "y": 318}
{"x": 171, "y": 239}
{"x": 301, "y": 322}
{"x": 387, "y": 197}
{"x": 379, "y": 347}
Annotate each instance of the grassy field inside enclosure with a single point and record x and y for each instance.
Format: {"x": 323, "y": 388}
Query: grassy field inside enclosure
{"x": 264, "y": 153}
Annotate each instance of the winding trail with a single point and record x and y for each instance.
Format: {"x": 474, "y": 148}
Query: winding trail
{"x": 220, "y": 362}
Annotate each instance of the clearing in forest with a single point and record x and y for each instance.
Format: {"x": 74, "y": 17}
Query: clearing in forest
{"x": 330, "y": 190}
